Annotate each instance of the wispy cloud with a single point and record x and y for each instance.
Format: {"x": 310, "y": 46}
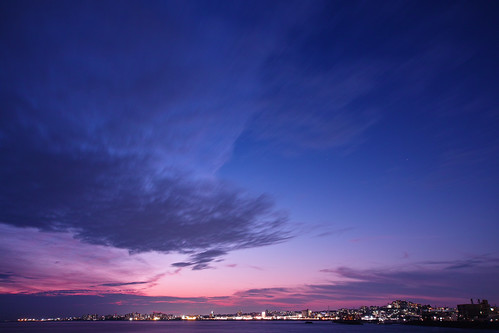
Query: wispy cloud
{"x": 472, "y": 262}
{"x": 62, "y": 262}
{"x": 117, "y": 284}
{"x": 201, "y": 260}
{"x": 333, "y": 231}
{"x": 420, "y": 281}
{"x": 123, "y": 202}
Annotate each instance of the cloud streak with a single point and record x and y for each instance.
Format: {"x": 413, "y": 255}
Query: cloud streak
{"x": 201, "y": 260}
{"x": 116, "y": 202}
{"x": 62, "y": 262}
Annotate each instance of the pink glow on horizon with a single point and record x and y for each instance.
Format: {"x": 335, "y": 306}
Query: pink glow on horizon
{"x": 64, "y": 263}
{"x": 245, "y": 279}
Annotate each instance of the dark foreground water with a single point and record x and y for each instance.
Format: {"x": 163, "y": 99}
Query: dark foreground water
{"x": 219, "y": 327}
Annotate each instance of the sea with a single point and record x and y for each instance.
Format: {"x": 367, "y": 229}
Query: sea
{"x": 220, "y": 327}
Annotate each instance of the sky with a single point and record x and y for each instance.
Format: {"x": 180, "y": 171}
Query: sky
{"x": 197, "y": 156}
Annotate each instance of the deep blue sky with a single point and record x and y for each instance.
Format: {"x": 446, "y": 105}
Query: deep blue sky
{"x": 188, "y": 144}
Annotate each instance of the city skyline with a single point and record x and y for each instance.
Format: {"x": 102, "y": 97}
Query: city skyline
{"x": 245, "y": 155}
{"x": 396, "y": 310}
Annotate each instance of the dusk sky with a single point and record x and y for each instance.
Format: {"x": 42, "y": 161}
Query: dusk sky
{"x": 197, "y": 156}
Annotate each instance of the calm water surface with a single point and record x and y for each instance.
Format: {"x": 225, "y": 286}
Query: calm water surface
{"x": 219, "y": 327}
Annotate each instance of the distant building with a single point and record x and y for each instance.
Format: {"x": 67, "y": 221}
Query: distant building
{"x": 479, "y": 311}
